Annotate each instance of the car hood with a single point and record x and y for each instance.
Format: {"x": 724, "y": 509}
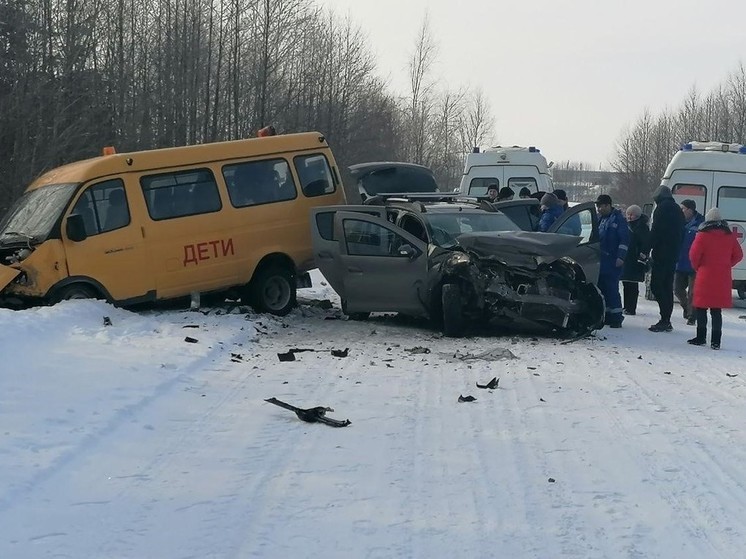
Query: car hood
{"x": 519, "y": 247}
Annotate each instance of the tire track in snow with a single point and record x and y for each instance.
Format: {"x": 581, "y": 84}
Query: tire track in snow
{"x": 677, "y": 476}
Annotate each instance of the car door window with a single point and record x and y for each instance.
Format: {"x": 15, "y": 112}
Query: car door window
{"x": 364, "y": 238}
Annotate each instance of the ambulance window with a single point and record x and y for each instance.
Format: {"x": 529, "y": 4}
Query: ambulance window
{"x": 259, "y": 182}
{"x": 732, "y": 202}
{"x": 696, "y": 192}
{"x": 315, "y": 175}
{"x": 180, "y": 194}
{"x": 516, "y": 183}
{"x": 103, "y": 207}
{"x": 478, "y": 186}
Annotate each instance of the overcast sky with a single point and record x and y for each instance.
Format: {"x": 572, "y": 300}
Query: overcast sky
{"x": 566, "y": 76}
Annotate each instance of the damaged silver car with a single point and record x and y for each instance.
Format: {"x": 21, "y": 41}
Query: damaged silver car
{"x": 461, "y": 264}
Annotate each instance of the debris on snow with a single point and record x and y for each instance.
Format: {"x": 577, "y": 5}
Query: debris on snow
{"x": 287, "y": 356}
{"x": 731, "y": 375}
{"x": 191, "y": 340}
{"x": 311, "y": 415}
{"x": 107, "y": 321}
{"x": 495, "y": 354}
{"x": 551, "y": 480}
{"x": 466, "y": 399}
{"x": 340, "y": 352}
{"x": 418, "y": 350}
{"x": 491, "y": 384}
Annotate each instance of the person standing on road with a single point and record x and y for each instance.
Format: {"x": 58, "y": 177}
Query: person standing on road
{"x": 665, "y": 243}
{"x": 614, "y": 235}
{"x": 714, "y": 252}
{"x": 551, "y": 209}
{"x": 635, "y": 263}
{"x": 683, "y": 283}
{"x": 572, "y": 226}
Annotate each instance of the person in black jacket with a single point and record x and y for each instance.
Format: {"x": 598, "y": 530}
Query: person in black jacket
{"x": 666, "y": 236}
{"x": 635, "y": 263}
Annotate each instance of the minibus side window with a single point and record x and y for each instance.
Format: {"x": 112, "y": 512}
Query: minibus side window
{"x": 180, "y": 194}
{"x": 103, "y": 207}
{"x": 259, "y": 182}
{"x": 315, "y": 175}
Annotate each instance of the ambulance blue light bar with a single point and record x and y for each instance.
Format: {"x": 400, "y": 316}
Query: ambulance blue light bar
{"x": 687, "y": 147}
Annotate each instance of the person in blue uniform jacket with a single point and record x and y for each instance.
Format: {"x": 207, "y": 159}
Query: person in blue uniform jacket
{"x": 614, "y": 235}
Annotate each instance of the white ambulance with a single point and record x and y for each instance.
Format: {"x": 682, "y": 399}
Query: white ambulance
{"x": 513, "y": 166}
{"x": 713, "y": 174}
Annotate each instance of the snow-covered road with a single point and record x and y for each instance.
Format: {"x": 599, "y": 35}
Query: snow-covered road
{"x": 126, "y": 441}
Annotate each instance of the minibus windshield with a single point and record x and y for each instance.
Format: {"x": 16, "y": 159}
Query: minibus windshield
{"x": 33, "y": 214}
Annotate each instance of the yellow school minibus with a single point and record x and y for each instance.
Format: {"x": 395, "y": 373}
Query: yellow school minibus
{"x": 160, "y": 224}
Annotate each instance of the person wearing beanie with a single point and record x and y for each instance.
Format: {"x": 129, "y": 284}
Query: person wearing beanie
{"x": 714, "y": 252}
{"x": 614, "y": 236}
{"x": 524, "y": 193}
{"x": 666, "y": 235}
{"x": 635, "y": 263}
{"x": 572, "y": 226}
{"x": 506, "y": 193}
{"x": 551, "y": 209}
{"x": 492, "y": 193}
{"x": 683, "y": 281}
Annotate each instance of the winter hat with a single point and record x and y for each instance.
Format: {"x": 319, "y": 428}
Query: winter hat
{"x": 506, "y": 192}
{"x": 603, "y": 199}
{"x": 713, "y": 214}
{"x": 549, "y": 200}
{"x": 560, "y": 194}
{"x": 691, "y": 204}
{"x": 662, "y": 192}
{"x": 634, "y": 211}
{"x": 524, "y": 192}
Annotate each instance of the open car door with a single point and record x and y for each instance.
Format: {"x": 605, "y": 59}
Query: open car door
{"x": 326, "y": 246}
{"x": 582, "y": 221}
{"x": 525, "y": 213}
{"x": 381, "y": 266}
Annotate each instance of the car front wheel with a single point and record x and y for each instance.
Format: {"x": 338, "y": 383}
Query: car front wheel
{"x": 453, "y": 312}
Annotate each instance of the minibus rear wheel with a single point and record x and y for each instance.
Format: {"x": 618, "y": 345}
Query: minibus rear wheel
{"x": 272, "y": 290}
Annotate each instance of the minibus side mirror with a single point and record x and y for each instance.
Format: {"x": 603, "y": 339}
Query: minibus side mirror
{"x": 75, "y": 228}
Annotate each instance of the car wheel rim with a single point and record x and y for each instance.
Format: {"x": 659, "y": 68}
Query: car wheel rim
{"x": 276, "y": 293}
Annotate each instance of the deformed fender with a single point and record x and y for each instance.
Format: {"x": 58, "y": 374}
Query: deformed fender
{"x": 7, "y": 275}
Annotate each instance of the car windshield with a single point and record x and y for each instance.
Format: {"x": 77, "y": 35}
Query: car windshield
{"x": 33, "y": 214}
{"x": 447, "y": 227}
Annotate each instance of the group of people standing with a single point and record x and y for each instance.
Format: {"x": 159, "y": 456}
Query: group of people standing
{"x": 688, "y": 254}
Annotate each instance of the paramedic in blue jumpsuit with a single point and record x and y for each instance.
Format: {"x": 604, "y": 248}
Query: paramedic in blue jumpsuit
{"x": 614, "y": 236}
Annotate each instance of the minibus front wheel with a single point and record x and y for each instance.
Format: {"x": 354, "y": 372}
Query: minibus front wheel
{"x": 75, "y": 291}
{"x": 272, "y": 290}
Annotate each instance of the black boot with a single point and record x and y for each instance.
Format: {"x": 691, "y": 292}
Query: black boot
{"x": 715, "y": 340}
{"x": 700, "y": 338}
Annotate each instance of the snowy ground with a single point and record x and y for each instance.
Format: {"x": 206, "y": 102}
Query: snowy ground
{"x": 125, "y": 441}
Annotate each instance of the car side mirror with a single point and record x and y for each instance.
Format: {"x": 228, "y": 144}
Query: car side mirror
{"x": 75, "y": 228}
{"x": 409, "y": 251}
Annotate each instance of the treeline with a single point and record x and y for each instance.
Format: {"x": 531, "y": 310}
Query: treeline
{"x": 645, "y": 149}
{"x": 77, "y": 75}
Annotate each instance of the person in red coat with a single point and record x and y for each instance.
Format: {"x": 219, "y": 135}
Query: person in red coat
{"x": 714, "y": 252}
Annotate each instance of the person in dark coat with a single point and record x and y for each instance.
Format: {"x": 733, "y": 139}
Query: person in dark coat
{"x": 614, "y": 235}
{"x": 551, "y": 209}
{"x": 666, "y": 235}
{"x": 683, "y": 281}
{"x": 524, "y": 193}
{"x": 635, "y": 263}
{"x": 506, "y": 193}
{"x": 714, "y": 252}
{"x": 492, "y": 193}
